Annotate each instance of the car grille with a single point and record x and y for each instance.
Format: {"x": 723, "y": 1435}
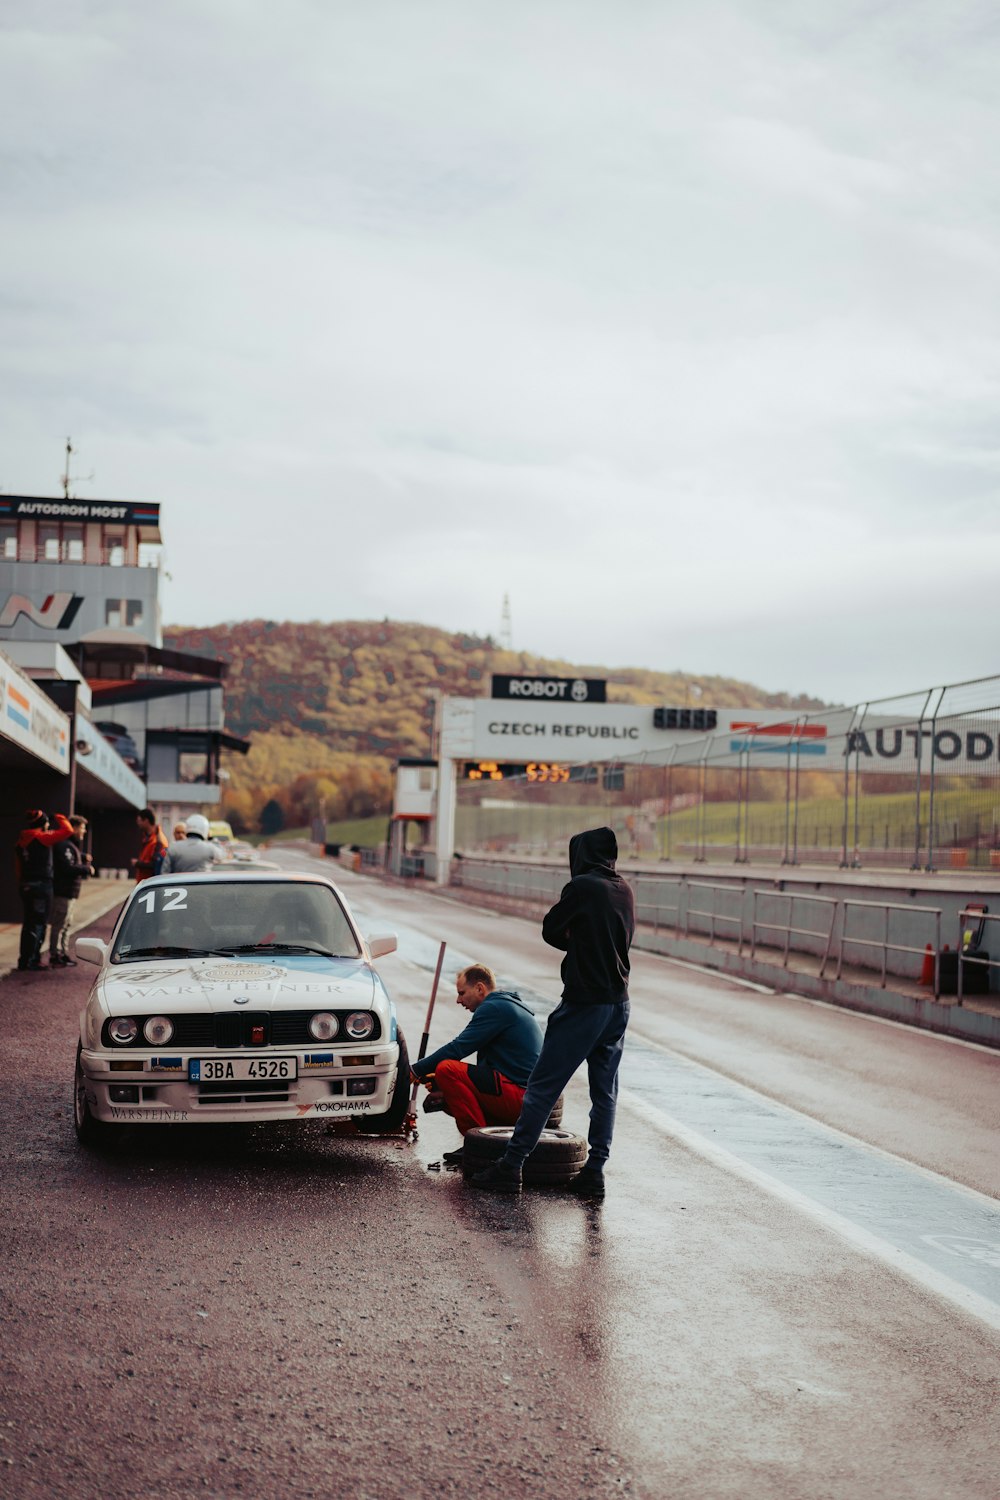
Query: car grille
{"x": 244, "y": 1091}
{"x": 284, "y": 1028}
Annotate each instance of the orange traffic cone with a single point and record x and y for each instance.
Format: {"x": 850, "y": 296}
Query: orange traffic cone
{"x": 927, "y": 967}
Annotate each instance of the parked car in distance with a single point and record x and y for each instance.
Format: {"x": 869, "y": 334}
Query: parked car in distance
{"x": 237, "y": 996}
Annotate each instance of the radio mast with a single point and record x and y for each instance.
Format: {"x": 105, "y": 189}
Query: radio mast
{"x": 67, "y": 479}
{"x": 506, "y": 639}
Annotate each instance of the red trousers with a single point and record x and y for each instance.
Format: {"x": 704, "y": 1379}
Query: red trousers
{"x": 467, "y": 1105}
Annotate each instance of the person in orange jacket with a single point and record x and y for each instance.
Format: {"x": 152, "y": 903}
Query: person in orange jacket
{"x": 154, "y": 846}
{"x": 33, "y": 854}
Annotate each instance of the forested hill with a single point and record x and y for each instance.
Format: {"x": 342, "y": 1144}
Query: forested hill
{"x": 329, "y": 707}
{"x": 368, "y": 687}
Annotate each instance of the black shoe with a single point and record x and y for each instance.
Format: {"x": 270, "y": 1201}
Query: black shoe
{"x": 498, "y": 1178}
{"x": 588, "y": 1183}
{"x": 66, "y": 961}
{"x": 453, "y": 1158}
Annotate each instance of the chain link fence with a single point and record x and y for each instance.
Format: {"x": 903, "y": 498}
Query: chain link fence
{"x": 911, "y": 782}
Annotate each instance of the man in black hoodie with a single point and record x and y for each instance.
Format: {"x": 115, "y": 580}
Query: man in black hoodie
{"x": 593, "y": 922}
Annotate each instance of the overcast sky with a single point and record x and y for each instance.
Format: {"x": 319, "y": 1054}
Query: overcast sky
{"x": 678, "y": 322}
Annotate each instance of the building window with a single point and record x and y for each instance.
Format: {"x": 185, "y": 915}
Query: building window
{"x": 8, "y": 542}
{"x": 426, "y": 781}
{"x": 115, "y": 551}
{"x": 48, "y": 543}
{"x": 123, "y": 613}
{"x": 193, "y": 766}
{"x": 73, "y": 544}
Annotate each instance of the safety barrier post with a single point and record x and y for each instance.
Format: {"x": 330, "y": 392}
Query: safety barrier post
{"x": 700, "y": 856}
{"x": 930, "y": 795}
{"x": 856, "y": 861}
{"x": 793, "y": 742}
{"x": 847, "y": 788}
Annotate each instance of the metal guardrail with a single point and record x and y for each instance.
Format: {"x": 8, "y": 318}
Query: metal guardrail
{"x": 519, "y": 880}
{"x": 658, "y": 908}
{"x": 788, "y": 927}
{"x": 713, "y": 915}
{"x": 496, "y": 877}
{"x": 887, "y": 908}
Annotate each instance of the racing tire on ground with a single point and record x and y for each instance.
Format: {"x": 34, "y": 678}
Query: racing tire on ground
{"x": 89, "y": 1132}
{"x": 399, "y": 1104}
{"x": 555, "y": 1161}
{"x": 555, "y": 1118}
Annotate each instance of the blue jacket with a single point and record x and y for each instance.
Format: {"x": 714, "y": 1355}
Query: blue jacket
{"x": 503, "y": 1032}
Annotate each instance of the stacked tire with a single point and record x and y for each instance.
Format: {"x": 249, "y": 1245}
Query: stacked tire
{"x": 555, "y": 1161}
{"x": 555, "y": 1118}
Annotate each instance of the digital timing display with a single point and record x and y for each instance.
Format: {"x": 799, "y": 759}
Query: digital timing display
{"x": 533, "y": 770}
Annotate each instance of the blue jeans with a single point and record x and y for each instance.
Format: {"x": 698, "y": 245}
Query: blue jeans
{"x": 574, "y": 1033}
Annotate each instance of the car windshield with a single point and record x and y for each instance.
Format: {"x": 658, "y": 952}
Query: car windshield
{"x": 229, "y": 917}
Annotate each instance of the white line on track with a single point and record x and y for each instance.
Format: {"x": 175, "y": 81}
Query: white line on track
{"x": 933, "y": 1281}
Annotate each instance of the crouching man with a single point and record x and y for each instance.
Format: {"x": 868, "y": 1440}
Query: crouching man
{"x": 507, "y": 1039}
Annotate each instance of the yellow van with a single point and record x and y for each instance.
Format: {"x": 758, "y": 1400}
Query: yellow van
{"x": 221, "y": 833}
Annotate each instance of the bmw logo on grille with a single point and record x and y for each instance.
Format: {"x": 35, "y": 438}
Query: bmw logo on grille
{"x": 241, "y": 999}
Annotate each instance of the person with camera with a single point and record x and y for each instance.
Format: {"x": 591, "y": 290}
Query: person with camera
{"x": 33, "y": 855}
{"x": 70, "y": 867}
{"x": 507, "y": 1039}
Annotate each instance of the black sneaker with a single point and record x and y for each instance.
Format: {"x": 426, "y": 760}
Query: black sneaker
{"x": 588, "y": 1183}
{"x": 453, "y": 1158}
{"x": 66, "y": 961}
{"x": 498, "y": 1178}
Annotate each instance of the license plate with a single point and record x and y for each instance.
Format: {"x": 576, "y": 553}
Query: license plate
{"x": 240, "y": 1069}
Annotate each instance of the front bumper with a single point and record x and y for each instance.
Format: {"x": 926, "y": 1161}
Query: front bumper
{"x": 149, "y": 1087}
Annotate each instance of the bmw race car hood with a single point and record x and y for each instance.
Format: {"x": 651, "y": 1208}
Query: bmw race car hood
{"x": 215, "y": 984}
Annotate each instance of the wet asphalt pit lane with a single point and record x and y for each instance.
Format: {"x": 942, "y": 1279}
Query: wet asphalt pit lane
{"x": 944, "y": 1233}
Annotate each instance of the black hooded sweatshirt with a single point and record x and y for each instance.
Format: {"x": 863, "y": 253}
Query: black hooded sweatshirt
{"x": 593, "y": 921}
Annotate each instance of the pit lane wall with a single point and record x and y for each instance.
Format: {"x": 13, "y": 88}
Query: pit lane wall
{"x": 777, "y": 931}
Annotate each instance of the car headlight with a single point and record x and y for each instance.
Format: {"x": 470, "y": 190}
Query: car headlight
{"x": 323, "y": 1026}
{"x": 158, "y": 1030}
{"x": 123, "y": 1029}
{"x": 359, "y": 1024}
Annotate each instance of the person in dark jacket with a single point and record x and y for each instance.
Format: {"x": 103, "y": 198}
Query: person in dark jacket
{"x": 506, "y": 1038}
{"x": 33, "y": 854}
{"x": 593, "y": 922}
{"x": 70, "y": 867}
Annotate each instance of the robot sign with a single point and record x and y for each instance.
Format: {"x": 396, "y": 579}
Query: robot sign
{"x": 550, "y": 689}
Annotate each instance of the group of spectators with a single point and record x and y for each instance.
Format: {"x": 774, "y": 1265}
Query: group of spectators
{"x": 52, "y": 865}
{"x": 51, "y": 868}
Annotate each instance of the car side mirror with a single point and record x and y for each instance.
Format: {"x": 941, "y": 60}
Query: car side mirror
{"x": 92, "y": 950}
{"x": 381, "y": 943}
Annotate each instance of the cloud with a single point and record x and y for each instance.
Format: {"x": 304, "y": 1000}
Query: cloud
{"x": 678, "y": 324}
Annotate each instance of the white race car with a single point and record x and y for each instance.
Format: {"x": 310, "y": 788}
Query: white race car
{"x": 237, "y": 996}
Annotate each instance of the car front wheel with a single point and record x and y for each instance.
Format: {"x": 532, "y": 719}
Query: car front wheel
{"x": 89, "y": 1132}
{"x": 399, "y": 1103}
